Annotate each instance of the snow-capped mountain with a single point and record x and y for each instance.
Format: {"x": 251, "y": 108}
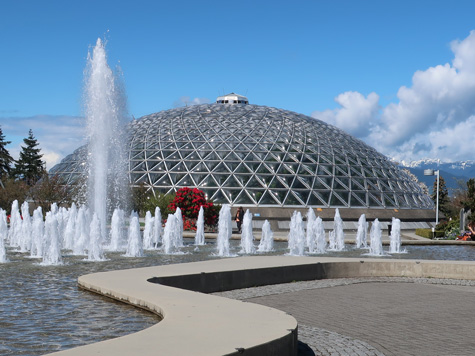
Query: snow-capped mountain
{"x": 454, "y": 173}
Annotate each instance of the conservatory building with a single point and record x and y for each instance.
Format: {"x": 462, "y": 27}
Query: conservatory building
{"x": 263, "y": 158}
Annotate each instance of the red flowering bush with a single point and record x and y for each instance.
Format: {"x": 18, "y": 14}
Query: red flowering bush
{"x": 189, "y": 201}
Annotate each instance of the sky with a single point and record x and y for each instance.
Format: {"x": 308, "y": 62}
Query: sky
{"x": 399, "y": 75}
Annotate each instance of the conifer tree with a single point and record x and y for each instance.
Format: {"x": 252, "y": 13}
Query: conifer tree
{"x": 29, "y": 166}
{"x": 5, "y": 158}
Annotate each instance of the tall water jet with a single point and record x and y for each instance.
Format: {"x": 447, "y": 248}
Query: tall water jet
{"x": 14, "y": 233}
{"x": 310, "y": 227}
{"x": 376, "y": 246}
{"x": 25, "y": 237}
{"x": 95, "y": 252}
{"x": 179, "y": 228}
{"x": 52, "y": 253}
{"x": 200, "y": 228}
{"x": 106, "y": 112}
{"x": 362, "y": 232}
{"x": 81, "y": 238}
{"x": 169, "y": 241}
{"x": 70, "y": 228}
{"x": 147, "y": 232}
{"x": 337, "y": 238}
{"x": 134, "y": 241}
{"x": 37, "y": 233}
{"x": 320, "y": 241}
{"x": 117, "y": 235}
{"x": 395, "y": 237}
{"x": 267, "y": 239}
{"x": 224, "y": 231}
{"x": 296, "y": 240}
{"x": 247, "y": 237}
{"x": 3, "y": 236}
{"x": 157, "y": 227}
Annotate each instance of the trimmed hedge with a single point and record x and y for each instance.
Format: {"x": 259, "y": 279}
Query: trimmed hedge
{"x": 427, "y": 233}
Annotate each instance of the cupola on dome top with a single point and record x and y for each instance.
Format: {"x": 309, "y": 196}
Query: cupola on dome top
{"x": 232, "y": 98}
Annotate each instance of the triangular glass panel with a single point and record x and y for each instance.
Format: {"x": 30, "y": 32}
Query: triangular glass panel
{"x": 306, "y": 180}
{"x": 164, "y": 181}
{"x": 306, "y": 170}
{"x": 180, "y": 167}
{"x": 324, "y": 170}
{"x": 389, "y": 201}
{"x": 314, "y": 201}
{"x": 267, "y": 199}
{"x": 221, "y": 168}
{"x": 279, "y": 195}
{"x": 220, "y": 198}
{"x": 212, "y": 156}
{"x": 284, "y": 170}
{"x": 302, "y": 195}
{"x": 200, "y": 167}
{"x": 341, "y": 171}
{"x": 336, "y": 201}
{"x": 358, "y": 199}
{"x": 323, "y": 195}
{"x": 170, "y": 164}
{"x": 254, "y": 183}
{"x": 276, "y": 183}
{"x": 253, "y": 166}
{"x": 373, "y": 201}
{"x": 139, "y": 166}
{"x": 220, "y": 178}
{"x": 193, "y": 156}
{"x": 326, "y": 159}
{"x": 356, "y": 171}
{"x": 291, "y": 199}
{"x": 297, "y": 184}
{"x": 357, "y": 184}
{"x": 140, "y": 155}
{"x": 211, "y": 164}
{"x": 286, "y": 180}
{"x": 208, "y": 182}
{"x": 242, "y": 168}
{"x": 263, "y": 170}
{"x": 343, "y": 195}
{"x": 244, "y": 199}
{"x": 337, "y": 184}
{"x": 327, "y": 181}
{"x": 176, "y": 177}
{"x": 154, "y": 177}
{"x": 186, "y": 181}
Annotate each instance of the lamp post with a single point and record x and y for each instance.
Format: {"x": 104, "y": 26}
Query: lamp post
{"x": 431, "y": 172}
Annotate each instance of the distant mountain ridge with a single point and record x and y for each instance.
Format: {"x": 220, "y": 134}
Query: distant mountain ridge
{"x": 452, "y": 172}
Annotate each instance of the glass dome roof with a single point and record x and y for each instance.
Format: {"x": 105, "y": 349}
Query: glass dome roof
{"x": 254, "y": 155}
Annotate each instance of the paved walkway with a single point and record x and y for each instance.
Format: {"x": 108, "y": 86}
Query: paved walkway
{"x": 376, "y": 316}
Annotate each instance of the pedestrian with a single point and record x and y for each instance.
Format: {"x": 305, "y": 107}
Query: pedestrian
{"x": 239, "y": 217}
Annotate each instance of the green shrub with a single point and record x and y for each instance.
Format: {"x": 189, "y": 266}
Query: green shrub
{"x": 427, "y": 233}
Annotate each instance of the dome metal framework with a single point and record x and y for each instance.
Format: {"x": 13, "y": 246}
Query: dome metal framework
{"x": 254, "y": 155}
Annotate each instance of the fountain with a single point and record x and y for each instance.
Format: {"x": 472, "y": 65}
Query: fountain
{"x": 70, "y": 228}
{"x": 157, "y": 227}
{"x": 170, "y": 239}
{"x": 310, "y": 228}
{"x": 147, "y": 232}
{"x": 117, "y": 238}
{"x": 134, "y": 241}
{"x": 105, "y": 115}
{"x": 37, "y": 234}
{"x": 247, "y": 237}
{"x": 267, "y": 239}
{"x": 94, "y": 252}
{"x": 362, "y": 232}
{"x": 296, "y": 239}
{"x": 52, "y": 252}
{"x": 224, "y": 231}
{"x": 81, "y": 237}
{"x": 395, "y": 237}
{"x": 200, "y": 228}
{"x": 376, "y": 245}
{"x": 14, "y": 233}
{"x": 179, "y": 228}
{"x": 338, "y": 231}
{"x": 320, "y": 243}
{"x": 25, "y": 237}
{"x": 3, "y": 236}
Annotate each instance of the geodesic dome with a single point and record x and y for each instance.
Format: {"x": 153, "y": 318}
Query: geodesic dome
{"x": 254, "y": 155}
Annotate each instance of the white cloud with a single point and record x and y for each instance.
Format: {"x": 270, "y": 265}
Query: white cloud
{"x": 57, "y": 136}
{"x": 355, "y": 115}
{"x": 431, "y": 118}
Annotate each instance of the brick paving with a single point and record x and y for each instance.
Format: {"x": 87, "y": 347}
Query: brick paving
{"x": 376, "y": 316}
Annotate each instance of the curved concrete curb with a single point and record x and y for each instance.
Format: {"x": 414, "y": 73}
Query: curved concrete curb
{"x": 201, "y": 324}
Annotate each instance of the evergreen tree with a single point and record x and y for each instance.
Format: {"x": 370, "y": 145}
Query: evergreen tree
{"x": 444, "y": 200}
{"x": 29, "y": 166}
{"x": 5, "y": 158}
{"x": 469, "y": 203}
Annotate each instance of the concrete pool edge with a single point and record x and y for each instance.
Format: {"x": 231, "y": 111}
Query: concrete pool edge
{"x": 202, "y": 324}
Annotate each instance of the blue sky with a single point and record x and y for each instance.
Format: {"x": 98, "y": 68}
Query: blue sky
{"x": 397, "y": 74}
